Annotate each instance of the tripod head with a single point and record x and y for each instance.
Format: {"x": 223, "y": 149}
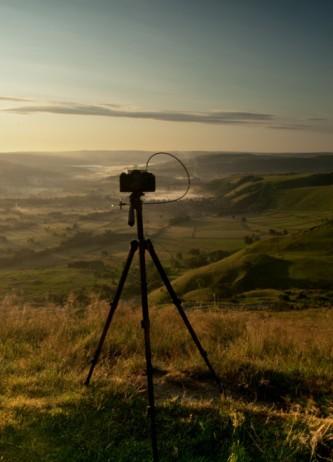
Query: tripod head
{"x": 137, "y": 182}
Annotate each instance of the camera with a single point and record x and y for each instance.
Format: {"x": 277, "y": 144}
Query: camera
{"x": 136, "y": 181}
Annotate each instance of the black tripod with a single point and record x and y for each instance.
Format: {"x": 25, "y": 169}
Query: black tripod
{"x": 145, "y": 244}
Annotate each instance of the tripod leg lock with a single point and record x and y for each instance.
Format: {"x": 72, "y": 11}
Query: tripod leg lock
{"x": 134, "y": 244}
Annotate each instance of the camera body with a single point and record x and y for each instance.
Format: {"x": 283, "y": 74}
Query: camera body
{"x": 136, "y": 181}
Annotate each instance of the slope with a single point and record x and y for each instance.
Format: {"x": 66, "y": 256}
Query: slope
{"x": 252, "y": 193}
{"x": 302, "y": 260}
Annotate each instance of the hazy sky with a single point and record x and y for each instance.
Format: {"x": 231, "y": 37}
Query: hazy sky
{"x": 166, "y": 74}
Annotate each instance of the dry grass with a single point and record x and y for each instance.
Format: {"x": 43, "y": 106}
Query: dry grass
{"x": 277, "y": 369}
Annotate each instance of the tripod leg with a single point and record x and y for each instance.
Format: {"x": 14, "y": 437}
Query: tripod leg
{"x": 181, "y": 311}
{"x": 146, "y": 326}
{"x": 113, "y": 306}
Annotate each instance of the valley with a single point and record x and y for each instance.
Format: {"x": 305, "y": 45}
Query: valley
{"x": 63, "y": 232}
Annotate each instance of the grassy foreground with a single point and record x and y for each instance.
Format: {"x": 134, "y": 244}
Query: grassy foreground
{"x": 277, "y": 369}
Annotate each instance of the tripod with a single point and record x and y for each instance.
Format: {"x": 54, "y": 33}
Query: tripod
{"x": 144, "y": 245}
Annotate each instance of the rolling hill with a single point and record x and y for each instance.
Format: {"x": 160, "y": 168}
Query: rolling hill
{"x": 303, "y": 260}
{"x": 253, "y": 193}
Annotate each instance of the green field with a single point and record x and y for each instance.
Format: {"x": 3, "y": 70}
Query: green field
{"x": 42, "y": 270}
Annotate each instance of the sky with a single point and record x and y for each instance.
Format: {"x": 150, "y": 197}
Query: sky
{"x": 235, "y": 75}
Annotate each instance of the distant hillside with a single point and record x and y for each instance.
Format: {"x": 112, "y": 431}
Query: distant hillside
{"x": 303, "y": 260}
{"x": 253, "y": 193}
{"x": 215, "y": 165}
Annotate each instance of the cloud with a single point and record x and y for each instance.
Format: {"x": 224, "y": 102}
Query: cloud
{"x": 317, "y": 119}
{"x": 13, "y": 98}
{"x": 214, "y": 117}
{"x": 267, "y": 120}
{"x": 317, "y": 125}
{"x": 291, "y": 126}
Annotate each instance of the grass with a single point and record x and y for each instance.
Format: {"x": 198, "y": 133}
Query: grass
{"x": 277, "y": 369}
{"x": 40, "y": 285}
{"x": 307, "y": 199}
